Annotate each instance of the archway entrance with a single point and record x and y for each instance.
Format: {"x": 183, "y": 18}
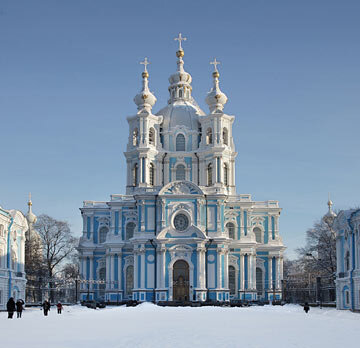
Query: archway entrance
{"x": 181, "y": 281}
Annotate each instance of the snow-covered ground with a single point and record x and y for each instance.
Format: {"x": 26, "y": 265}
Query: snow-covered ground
{"x": 150, "y": 326}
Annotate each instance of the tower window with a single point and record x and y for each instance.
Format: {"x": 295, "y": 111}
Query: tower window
{"x": 231, "y": 230}
{"x": 135, "y": 174}
{"x": 135, "y": 137}
{"x": 180, "y": 142}
{"x": 130, "y": 228}
{"x": 180, "y": 172}
{"x": 152, "y": 136}
{"x": 180, "y": 93}
{"x": 209, "y": 138}
{"x": 102, "y": 234}
{"x": 226, "y": 175}
{"x": 225, "y": 136}
{"x": 152, "y": 174}
{"x": 209, "y": 174}
{"x": 258, "y": 234}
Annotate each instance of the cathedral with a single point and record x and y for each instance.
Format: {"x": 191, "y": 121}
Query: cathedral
{"x": 181, "y": 232}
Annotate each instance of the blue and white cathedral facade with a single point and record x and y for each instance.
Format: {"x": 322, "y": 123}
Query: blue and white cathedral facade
{"x": 181, "y": 232}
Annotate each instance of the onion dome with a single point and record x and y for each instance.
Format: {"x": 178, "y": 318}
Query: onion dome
{"x": 330, "y": 215}
{"x": 182, "y": 109}
{"x": 180, "y": 82}
{"x": 215, "y": 98}
{"x": 30, "y": 216}
{"x": 145, "y": 100}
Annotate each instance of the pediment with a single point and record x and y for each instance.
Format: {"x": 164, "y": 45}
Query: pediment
{"x": 181, "y": 188}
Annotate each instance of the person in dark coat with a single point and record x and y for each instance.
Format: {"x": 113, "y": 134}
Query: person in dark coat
{"x": 19, "y": 307}
{"x": 59, "y": 307}
{"x": 306, "y": 307}
{"x": 10, "y": 307}
{"x": 46, "y": 307}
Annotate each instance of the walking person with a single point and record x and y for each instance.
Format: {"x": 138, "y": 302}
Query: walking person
{"x": 10, "y": 307}
{"x": 59, "y": 307}
{"x": 46, "y": 307}
{"x": 19, "y": 307}
{"x": 306, "y": 307}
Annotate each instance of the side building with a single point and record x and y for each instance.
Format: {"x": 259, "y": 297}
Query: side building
{"x": 347, "y": 226}
{"x": 13, "y": 226}
{"x": 181, "y": 232}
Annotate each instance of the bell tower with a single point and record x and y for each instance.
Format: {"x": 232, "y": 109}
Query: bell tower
{"x": 144, "y": 140}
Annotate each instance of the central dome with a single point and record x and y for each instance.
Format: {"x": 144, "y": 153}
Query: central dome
{"x": 181, "y": 113}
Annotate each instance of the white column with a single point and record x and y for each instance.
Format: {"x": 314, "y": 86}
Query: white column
{"x": 253, "y": 268}
{"x": 112, "y": 278}
{"x": 226, "y": 270}
{"x": 198, "y": 267}
{"x": 278, "y": 275}
{"x": 270, "y": 272}
{"x": 119, "y": 271}
{"x": 218, "y": 271}
{"x": 142, "y": 277}
{"x": 242, "y": 273}
{"x": 163, "y": 266}
{"x": 91, "y": 274}
{"x": 202, "y": 268}
{"x": 108, "y": 274}
{"x": 249, "y": 271}
{"x": 136, "y": 286}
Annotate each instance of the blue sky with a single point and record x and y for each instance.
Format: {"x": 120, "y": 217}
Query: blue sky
{"x": 69, "y": 71}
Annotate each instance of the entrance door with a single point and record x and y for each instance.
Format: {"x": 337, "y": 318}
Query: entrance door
{"x": 181, "y": 281}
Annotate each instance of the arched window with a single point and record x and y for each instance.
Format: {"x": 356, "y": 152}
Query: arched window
{"x": 180, "y": 172}
{"x": 102, "y": 234}
{"x": 226, "y": 175}
{"x": 258, "y": 234}
{"x": 180, "y": 93}
{"x": 209, "y": 139}
{"x": 180, "y": 142}
{"x": 225, "y": 136}
{"x": 152, "y": 174}
{"x": 129, "y": 280}
{"x": 135, "y": 174}
{"x": 130, "y": 228}
{"x": 209, "y": 174}
{"x": 152, "y": 136}
{"x": 231, "y": 230}
{"x": 232, "y": 280}
{"x": 135, "y": 138}
{"x": 347, "y": 261}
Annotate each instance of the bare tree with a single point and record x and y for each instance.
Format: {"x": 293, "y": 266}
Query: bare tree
{"x": 58, "y": 242}
{"x": 319, "y": 253}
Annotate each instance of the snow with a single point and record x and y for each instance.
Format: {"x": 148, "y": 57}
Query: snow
{"x": 148, "y": 325}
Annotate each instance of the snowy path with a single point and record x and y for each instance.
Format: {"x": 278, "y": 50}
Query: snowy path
{"x": 151, "y": 326}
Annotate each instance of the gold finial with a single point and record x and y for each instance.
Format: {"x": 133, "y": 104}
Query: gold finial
{"x": 145, "y": 63}
{"x": 29, "y": 203}
{"x": 180, "y": 38}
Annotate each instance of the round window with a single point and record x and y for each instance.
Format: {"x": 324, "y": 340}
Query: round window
{"x": 181, "y": 222}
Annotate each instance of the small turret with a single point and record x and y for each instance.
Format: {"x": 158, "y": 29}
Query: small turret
{"x": 216, "y": 99}
{"x": 145, "y": 100}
